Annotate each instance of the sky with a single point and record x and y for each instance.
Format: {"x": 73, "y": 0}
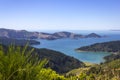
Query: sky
{"x": 60, "y": 14}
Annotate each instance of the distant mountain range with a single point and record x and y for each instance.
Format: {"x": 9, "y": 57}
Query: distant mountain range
{"x": 9, "y": 33}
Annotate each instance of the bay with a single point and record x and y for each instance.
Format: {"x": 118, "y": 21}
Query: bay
{"x": 68, "y": 46}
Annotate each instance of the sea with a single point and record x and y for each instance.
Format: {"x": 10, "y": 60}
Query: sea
{"x": 68, "y": 46}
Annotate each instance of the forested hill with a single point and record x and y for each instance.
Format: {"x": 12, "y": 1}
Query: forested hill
{"x": 112, "y": 46}
{"x": 112, "y": 57}
{"x": 21, "y": 42}
{"x": 57, "y": 61}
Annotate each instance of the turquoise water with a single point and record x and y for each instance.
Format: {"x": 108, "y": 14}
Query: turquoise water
{"x": 68, "y": 46}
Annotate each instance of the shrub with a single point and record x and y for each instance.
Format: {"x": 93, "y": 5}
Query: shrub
{"x": 18, "y": 63}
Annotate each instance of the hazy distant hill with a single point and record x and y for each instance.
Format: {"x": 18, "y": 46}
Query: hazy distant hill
{"x": 67, "y": 35}
{"x": 8, "y": 33}
{"x": 92, "y": 35}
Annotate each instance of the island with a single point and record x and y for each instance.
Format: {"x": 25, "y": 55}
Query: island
{"x": 94, "y": 35}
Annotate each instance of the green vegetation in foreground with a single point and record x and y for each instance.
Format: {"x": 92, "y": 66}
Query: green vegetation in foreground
{"x": 57, "y": 61}
{"x": 81, "y": 70}
{"x": 105, "y": 71}
{"x": 17, "y": 64}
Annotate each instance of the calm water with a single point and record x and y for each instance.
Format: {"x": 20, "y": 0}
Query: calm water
{"x": 68, "y": 46}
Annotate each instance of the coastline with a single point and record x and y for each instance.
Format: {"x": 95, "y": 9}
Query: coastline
{"x": 95, "y": 51}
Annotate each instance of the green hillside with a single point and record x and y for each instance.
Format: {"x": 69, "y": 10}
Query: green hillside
{"x": 112, "y": 57}
{"x": 112, "y": 46}
{"x": 105, "y": 71}
{"x": 57, "y": 61}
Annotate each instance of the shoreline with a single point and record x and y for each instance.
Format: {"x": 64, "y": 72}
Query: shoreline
{"x": 95, "y": 51}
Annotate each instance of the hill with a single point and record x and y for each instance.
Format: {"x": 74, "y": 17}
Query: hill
{"x": 112, "y": 46}
{"x": 112, "y": 57}
{"x": 9, "y": 41}
{"x": 94, "y": 35}
{"x": 58, "y": 61}
{"x": 9, "y": 33}
{"x": 106, "y": 71}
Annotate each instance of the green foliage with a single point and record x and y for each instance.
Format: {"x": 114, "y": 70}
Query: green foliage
{"x": 105, "y": 71}
{"x": 113, "y": 64}
{"x": 48, "y": 74}
{"x": 17, "y": 64}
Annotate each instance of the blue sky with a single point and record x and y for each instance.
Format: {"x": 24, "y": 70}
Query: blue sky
{"x": 60, "y": 14}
